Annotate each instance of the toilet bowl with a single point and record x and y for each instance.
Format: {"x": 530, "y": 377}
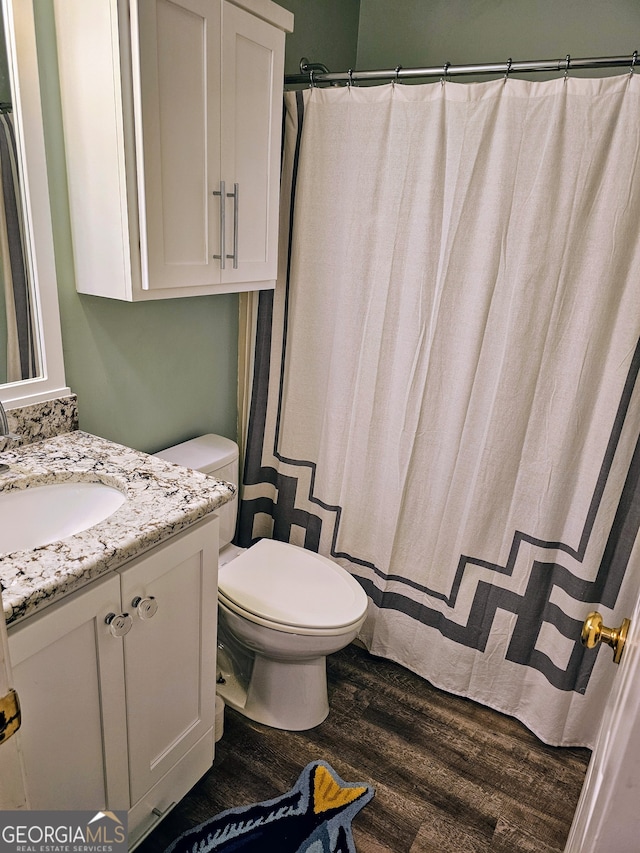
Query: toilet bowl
{"x": 281, "y": 611}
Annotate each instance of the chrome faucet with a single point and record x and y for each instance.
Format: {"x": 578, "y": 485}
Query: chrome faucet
{"x": 4, "y": 424}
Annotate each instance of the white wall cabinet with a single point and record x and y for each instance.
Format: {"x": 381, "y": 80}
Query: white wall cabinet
{"x": 172, "y": 115}
{"x": 123, "y": 722}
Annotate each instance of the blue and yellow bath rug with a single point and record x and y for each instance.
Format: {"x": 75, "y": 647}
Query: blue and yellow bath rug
{"x": 313, "y": 817}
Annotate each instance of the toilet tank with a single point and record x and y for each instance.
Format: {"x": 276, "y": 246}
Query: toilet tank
{"x": 217, "y": 456}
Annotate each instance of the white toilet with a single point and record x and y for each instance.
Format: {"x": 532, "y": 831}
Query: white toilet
{"x": 281, "y": 611}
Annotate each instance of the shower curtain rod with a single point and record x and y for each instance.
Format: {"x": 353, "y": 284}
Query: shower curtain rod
{"x": 315, "y": 73}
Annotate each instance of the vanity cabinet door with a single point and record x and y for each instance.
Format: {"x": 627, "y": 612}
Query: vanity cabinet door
{"x": 68, "y": 672}
{"x": 170, "y": 662}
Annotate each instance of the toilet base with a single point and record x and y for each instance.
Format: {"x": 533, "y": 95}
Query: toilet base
{"x": 291, "y": 696}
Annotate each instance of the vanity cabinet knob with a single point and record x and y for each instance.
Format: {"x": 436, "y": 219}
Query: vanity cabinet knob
{"x": 120, "y": 624}
{"x": 145, "y": 607}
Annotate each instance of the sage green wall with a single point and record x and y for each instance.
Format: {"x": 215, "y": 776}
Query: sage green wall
{"x": 432, "y": 32}
{"x": 146, "y": 375}
{"x": 324, "y": 31}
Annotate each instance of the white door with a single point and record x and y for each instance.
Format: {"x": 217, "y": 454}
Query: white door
{"x": 13, "y": 790}
{"x": 608, "y": 812}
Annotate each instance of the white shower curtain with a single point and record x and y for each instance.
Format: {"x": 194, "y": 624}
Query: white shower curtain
{"x": 444, "y": 396}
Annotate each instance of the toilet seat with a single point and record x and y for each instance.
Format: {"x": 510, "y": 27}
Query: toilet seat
{"x": 290, "y": 589}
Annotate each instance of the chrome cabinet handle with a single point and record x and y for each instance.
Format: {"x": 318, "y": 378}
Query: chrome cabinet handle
{"x": 223, "y": 200}
{"x": 234, "y": 196}
{"x": 224, "y": 195}
{"x": 145, "y": 607}
{"x": 119, "y": 625}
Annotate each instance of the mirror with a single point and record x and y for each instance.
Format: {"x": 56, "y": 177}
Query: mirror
{"x": 19, "y": 345}
{"x": 30, "y": 324}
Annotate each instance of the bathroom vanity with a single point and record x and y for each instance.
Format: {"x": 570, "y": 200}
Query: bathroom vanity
{"x": 112, "y": 634}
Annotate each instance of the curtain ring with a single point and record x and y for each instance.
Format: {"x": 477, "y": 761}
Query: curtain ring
{"x": 445, "y": 71}
{"x": 506, "y": 74}
{"x": 633, "y": 62}
{"x": 350, "y": 75}
{"x": 566, "y": 66}
{"x": 395, "y": 79}
{"x": 312, "y": 82}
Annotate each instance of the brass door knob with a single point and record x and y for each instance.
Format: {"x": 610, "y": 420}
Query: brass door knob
{"x": 594, "y": 632}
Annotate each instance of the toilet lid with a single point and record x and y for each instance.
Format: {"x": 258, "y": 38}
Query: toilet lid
{"x": 288, "y": 585}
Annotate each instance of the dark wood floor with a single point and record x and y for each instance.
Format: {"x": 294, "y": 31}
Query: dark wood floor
{"x": 449, "y": 774}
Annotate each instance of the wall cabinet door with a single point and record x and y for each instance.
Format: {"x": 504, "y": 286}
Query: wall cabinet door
{"x": 185, "y": 106}
{"x": 252, "y": 75}
{"x": 179, "y": 106}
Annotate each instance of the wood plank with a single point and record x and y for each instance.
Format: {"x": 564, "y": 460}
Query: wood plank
{"x": 449, "y": 774}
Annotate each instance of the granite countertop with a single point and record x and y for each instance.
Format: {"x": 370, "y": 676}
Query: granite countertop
{"x": 162, "y": 499}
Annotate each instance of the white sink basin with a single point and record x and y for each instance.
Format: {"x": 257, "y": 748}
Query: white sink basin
{"x": 39, "y": 515}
